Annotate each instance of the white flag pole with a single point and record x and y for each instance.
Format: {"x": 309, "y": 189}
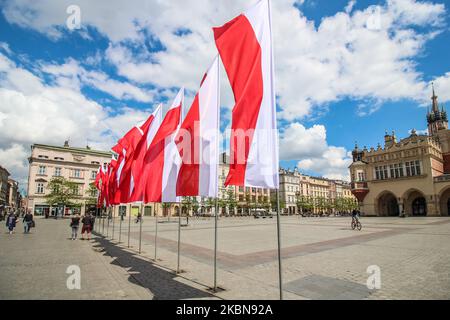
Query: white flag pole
{"x": 179, "y": 239}
{"x": 129, "y": 225}
{"x": 140, "y": 226}
{"x": 280, "y": 278}
{"x": 217, "y": 175}
{"x": 156, "y": 228}
{"x": 120, "y": 223}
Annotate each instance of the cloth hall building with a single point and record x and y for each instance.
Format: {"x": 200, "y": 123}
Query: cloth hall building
{"x": 410, "y": 176}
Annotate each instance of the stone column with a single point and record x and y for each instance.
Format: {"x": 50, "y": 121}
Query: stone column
{"x": 401, "y": 208}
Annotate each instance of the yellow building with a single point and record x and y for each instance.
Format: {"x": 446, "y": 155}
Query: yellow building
{"x": 410, "y": 176}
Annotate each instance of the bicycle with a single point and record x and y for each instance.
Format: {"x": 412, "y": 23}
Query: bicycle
{"x": 356, "y": 224}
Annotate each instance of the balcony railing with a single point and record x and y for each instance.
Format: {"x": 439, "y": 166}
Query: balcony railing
{"x": 358, "y": 185}
{"x": 442, "y": 178}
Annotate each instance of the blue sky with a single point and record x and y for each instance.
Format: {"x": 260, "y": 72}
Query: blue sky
{"x": 340, "y": 77}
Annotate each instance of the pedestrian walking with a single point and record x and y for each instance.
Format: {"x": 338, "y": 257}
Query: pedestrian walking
{"x": 11, "y": 222}
{"x": 28, "y": 222}
{"x": 87, "y": 226}
{"x": 74, "y": 224}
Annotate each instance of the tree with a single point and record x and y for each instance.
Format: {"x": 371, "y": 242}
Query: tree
{"x": 221, "y": 203}
{"x": 305, "y": 203}
{"x": 209, "y": 203}
{"x": 195, "y": 205}
{"x": 231, "y": 200}
{"x": 91, "y": 194}
{"x": 186, "y": 203}
{"x": 62, "y": 192}
{"x": 166, "y": 206}
{"x": 248, "y": 201}
{"x": 273, "y": 200}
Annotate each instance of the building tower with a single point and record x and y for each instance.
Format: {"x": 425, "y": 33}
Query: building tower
{"x": 436, "y": 119}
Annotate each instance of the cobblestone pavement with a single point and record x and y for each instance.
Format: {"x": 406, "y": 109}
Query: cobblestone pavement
{"x": 322, "y": 259}
{"x": 33, "y": 266}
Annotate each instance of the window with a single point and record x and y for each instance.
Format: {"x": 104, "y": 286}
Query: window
{"x": 42, "y": 170}
{"x": 77, "y": 173}
{"x": 42, "y": 157}
{"x": 57, "y": 172}
{"x": 93, "y": 174}
{"x": 40, "y": 188}
{"x": 95, "y": 162}
{"x": 361, "y": 176}
{"x": 412, "y": 168}
{"x": 76, "y": 190}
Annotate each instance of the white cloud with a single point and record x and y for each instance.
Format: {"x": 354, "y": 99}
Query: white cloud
{"x": 34, "y": 112}
{"x": 442, "y": 88}
{"x": 332, "y": 164}
{"x": 314, "y": 65}
{"x": 339, "y": 58}
{"x": 310, "y": 147}
{"x": 73, "y": 75}
{"x": 297, "y": 142}
{"x": 14, "y": 159}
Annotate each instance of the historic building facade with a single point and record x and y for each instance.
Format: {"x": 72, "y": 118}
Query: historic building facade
{"x": 316, "y": 190}
{"x": 14, "y": 196}
{"x": 78, "y": 165}
{"x": 407, "y": 177}
{"x": 4, "y": 187}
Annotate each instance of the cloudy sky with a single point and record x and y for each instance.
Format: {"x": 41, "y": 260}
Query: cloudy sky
{"x": 346, "y": 71}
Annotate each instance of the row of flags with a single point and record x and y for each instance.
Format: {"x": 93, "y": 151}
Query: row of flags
{"x": 163, "y": 159}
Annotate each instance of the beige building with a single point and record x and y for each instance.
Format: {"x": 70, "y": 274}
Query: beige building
{"x": 4, "y": 187}
{"x": 295, "y": 185}
{"x": 14, "y": 197}
{"x": 245, "y": 198}
{"x": 78, "y": 165}
{"x": 409, "y": 176}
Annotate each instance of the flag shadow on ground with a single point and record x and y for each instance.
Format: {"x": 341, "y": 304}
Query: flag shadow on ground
{"x": 161, "y": 283}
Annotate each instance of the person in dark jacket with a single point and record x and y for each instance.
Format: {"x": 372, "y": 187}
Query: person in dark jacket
{"x": 74, "y": 224}
{"x": 11, "y": 222}
{"x": 27, "y": 222}
{"x": 87, "y": 226}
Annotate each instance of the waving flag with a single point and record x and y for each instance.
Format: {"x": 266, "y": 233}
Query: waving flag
{"x": 101, "y": 185}
{"x": 245, "y": 47}
{"x": 126, "y": 147}
{"x": 139, "y": 154}
{"x": 161, "y": 162}
{"x": 197, "y": 140}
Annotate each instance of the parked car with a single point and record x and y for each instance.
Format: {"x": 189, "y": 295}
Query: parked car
{"x": 261, "y": 213}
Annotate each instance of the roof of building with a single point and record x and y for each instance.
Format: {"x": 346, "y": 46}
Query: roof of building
{"x": 4, "y": 169}
{"x": 72, "y": 149}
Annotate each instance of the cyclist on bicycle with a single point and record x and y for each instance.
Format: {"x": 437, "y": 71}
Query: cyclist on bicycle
{"x": 138, "y": 218}
{"x": 355, "y": 215}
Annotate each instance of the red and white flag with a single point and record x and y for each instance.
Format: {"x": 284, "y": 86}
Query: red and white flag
{"x": 126, "y": 148}
{"x": 161, "y": 163}
{"x": 245, "y": 47}
{"x": 140, "y": 151}
{"x": 197, "y": 140}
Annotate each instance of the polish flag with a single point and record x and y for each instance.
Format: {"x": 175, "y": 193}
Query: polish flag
{"x": 139, "y": 154}
{"x": 197, "y": 140}
{"x": 112, "y": 185}
{"x": 126, "y": 147}
{"x": 102, "y": 185}
{"x": 245, "y": 47}
{"x": 161, "y": 163}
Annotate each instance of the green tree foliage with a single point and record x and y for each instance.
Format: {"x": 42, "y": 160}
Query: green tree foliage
{"x": 62, "y": 192}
